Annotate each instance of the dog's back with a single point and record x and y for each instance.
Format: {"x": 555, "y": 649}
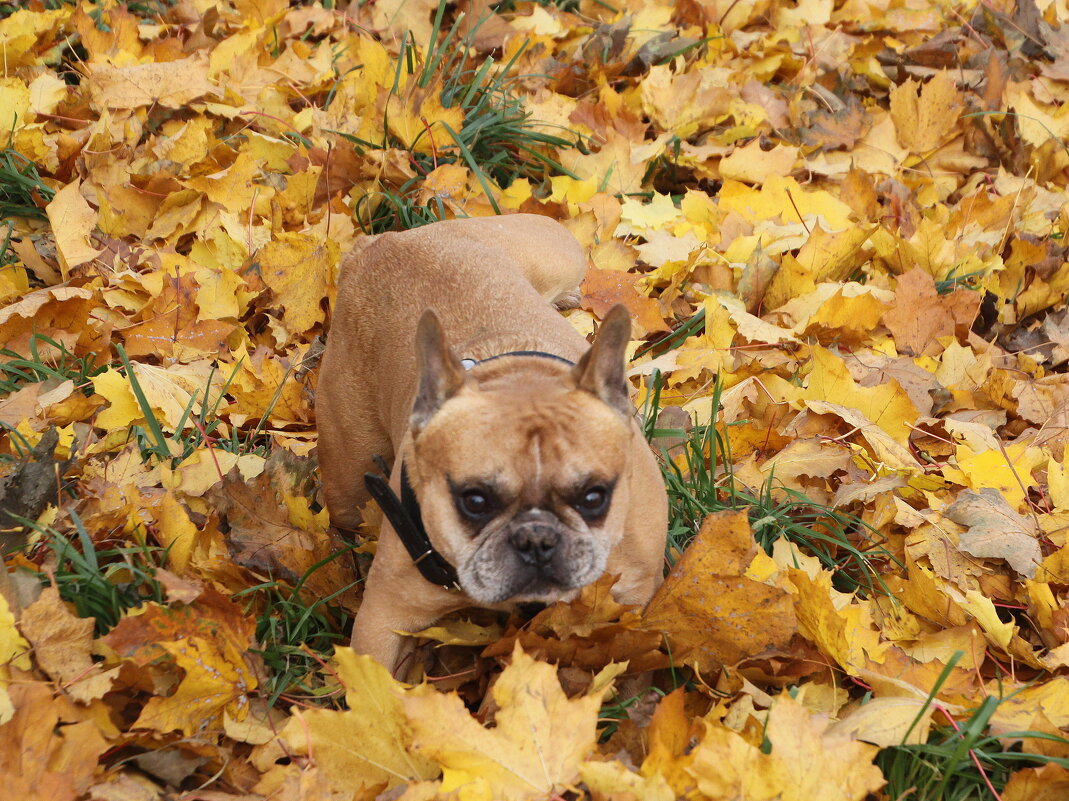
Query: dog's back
{"x": 490, "y": 280}
{"x": 545, "y": 252}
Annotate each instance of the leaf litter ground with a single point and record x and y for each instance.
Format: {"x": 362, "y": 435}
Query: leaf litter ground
{"x": 840, "y": 231}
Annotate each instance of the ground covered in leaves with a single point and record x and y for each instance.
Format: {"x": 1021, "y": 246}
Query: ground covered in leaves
{"x": 839, "y": 227}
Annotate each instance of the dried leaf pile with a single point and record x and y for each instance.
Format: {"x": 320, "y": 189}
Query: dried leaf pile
{"x": 852, "y": 214}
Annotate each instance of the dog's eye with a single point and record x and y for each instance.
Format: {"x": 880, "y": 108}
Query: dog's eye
{"x": 591, "y": 502}
{"x": 476, "y": 504}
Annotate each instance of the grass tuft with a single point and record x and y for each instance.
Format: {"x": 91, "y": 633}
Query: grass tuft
{"x": 962, "y": 760}
{"x": 498, "y": 141}
{"x": 102, "y": 583}
{"x": 296, "y": 634}
{"x": 22, "y": 192}
{"x": 18, "y": 371}
{"x": 205, "y": 427}
{"x": 699, "y": 479}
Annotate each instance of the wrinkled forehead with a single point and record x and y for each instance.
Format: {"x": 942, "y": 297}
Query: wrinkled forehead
{"x": 514, "y": 437}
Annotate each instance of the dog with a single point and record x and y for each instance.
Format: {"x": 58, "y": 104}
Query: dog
{"x": 520, "y": 473}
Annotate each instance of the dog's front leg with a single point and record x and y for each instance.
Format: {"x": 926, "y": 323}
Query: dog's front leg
{"x": 397, "y": 598}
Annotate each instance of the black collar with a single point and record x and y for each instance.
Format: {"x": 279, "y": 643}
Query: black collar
{"x": 404, "y": 515}
{"x": 470, "y": 363}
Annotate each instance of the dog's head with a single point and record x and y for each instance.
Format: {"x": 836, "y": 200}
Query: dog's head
{"x": 522, "y": 479}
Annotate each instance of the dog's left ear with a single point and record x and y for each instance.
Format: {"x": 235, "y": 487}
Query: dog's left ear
{"x": 601, "y": 370}
{"x": 441, "y": 375}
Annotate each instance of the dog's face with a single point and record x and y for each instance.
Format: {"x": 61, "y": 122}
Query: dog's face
{"x": 522, "y": 485}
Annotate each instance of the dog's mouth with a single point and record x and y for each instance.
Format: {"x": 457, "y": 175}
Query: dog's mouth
{"x": 500, "y": 571}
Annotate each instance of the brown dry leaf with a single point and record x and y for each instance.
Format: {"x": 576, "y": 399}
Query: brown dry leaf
{"x": 925, "y": 117}
{"x": 272, "y": 530}
{"x": 996, "y": 531}
{"x": 921, "y": 315}
{"x": 589, "y": 632}
{"x": 837, "y": 128}
{"x": 48, "y": 750}
{"x": 603, "y": 289}
{"x": 172, "y": 328}
{"x": 711, "y": 613}
{"x": 140, "y": 637}
{"x": 62, "y": 645}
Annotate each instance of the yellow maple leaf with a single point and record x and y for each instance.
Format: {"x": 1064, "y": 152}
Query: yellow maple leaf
{"x": 536, "y": 747}
{"x": 13, "y": 651}
{"x": 19, "y": 34}
{"x": 216, "y": 680}
{"x": 1020, "y": 705}
{"x": 808, "y": 760}
{"x": 73, "y": 220}
{"x": 842, "y": 628}
{"x": 1008, "y": 471}
{"x": 784, "y": 198}
{"x": 299, "y": 268}
{"x": 171, "y": 84}
{"x": 886, "y": 405}
{"x": 925, "y": 116}
{"x": 752, "y": 165}
{"x": 368, "y": 744}
{"x": 614, "y": 780}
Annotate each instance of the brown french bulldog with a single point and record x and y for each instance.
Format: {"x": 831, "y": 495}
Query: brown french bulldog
{"x": 519, "y": 470}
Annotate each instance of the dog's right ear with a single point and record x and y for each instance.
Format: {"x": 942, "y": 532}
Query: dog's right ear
{"x": 601, "y": 371}
{"x": 441, "y": 375}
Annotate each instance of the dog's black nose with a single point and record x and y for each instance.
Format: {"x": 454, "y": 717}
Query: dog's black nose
{"x": 535, "y": 543}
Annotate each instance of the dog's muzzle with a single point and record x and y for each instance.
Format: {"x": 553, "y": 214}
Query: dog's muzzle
{"x": 534, "y": 536}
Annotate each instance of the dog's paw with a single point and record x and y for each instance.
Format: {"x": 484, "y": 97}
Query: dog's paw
{"x": 568, "y": 300}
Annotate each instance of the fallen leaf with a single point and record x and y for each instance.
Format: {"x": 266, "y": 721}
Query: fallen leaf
{"x": 370, "y": 743}
{"x": 921, "y": 316}
{"x": 216, "y": 681}
{"x": 48, "y": 751}
{"x": 926, "y": 115}
{"x": 710, "y": 612}
{"x": 806, "y": 759}
{"x": 995, "y": 530}
{"x": 603, "y": 289}
{"x": 752, "y": 164}
{"x": 172, "y": 84}
{"x": 74, "y": 221}
{"x": 62, "y": 645}
{"x": 536, "y": 747}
